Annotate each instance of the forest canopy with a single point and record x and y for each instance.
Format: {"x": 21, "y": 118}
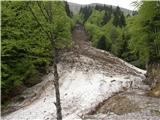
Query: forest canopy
{"x": 133, "y": 37}
{"x": 26, "y": 49}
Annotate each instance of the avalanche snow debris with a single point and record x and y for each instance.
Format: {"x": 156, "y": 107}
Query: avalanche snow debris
{"x": 80, "y": 92}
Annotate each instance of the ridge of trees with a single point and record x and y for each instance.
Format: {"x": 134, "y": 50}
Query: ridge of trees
{"x": 144, "y": 31}
{"x": 118, "y": 29}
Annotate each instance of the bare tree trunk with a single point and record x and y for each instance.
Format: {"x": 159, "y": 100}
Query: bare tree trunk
{"x": 49, "y": 17}
{"x": 55, "y": 61}
{"x": 56, "y": 84}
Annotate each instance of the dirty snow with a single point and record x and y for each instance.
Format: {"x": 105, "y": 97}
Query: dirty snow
{"x": 124, "y": 62}
{"x": 80, "y": 92}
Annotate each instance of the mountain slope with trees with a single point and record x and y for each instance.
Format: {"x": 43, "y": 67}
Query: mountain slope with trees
{"x": 75, "y": 8}
{"x": 144, "y": 30}
{"x": 88, "y": 77}
{"x": 56, "y": 63}
{"x": 134, "y": 38}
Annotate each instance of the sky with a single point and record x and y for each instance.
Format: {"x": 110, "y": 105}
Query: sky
{"x": 120, "y": 3}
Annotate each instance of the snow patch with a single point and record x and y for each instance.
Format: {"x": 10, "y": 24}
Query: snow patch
{"x": 80, "y": 92}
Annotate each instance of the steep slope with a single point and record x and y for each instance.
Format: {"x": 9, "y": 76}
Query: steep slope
{"x": 88, "y": 77}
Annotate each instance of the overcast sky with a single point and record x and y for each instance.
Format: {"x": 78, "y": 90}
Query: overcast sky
{"x": 120, "y": 3}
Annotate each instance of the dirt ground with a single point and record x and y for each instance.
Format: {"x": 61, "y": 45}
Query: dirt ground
{"x": 129, "y": 104}
{"x": 119, "y": 105}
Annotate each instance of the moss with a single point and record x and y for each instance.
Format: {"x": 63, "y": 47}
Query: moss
{"x": 153, "y": 74}
{"x": 155, "y": 91}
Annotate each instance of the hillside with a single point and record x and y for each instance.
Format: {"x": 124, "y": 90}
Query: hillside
{"x": 75, "y": 8}
{"x": 88, "y": 79}
{"x": 98, "y": 64}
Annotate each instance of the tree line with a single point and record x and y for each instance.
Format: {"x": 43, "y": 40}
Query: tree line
{"x": 122, "y": 35}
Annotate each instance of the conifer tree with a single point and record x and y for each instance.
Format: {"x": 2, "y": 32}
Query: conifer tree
{"x": 102, "y": 43}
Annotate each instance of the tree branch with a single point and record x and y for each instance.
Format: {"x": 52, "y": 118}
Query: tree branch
{"x": 45, "y": 9}
{"x": 39, "y": 5}
{"x": 48, "y": 35}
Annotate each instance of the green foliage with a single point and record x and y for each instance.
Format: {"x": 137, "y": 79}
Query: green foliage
{"x": 77, "y": 18}
{"x": 119, "y": 19}
{"x": 85, "y": 13}
{"x": 118, "y": 41}
{"x": 69, "y": 13}
{"x": 62, "y": 26}
{"x": 93, "y": 26}
{"x": 106, "y": 18}
{"x": 96, "y": 17}
{"x": 94, "y": 32}
{"x": 100, "y": 25}
{"x": 136, "y": 39}
{"x": 26, "y": 49}
{"x": 102, "y": 43}
{"x": 144, "y": 31}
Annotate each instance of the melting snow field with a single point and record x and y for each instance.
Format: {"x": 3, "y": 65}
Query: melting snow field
{"x": 80, "y": 93}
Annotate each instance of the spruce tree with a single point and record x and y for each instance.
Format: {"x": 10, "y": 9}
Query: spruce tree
{"x": 102, "y": 43}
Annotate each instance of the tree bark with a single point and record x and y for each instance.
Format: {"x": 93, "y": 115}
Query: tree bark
{"x": 55, "y": 61}
{"x": 56, "y": 84}
{"x": 51, "y": 37}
